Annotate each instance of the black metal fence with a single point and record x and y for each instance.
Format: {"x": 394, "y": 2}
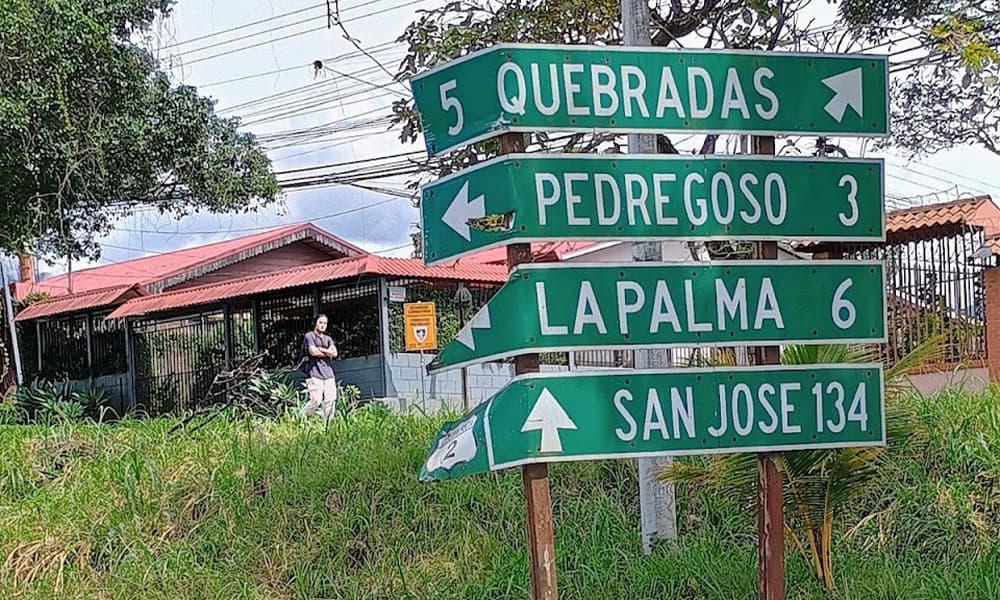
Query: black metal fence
{"x": 934, "y": 288}
{"x": 177, "y": 356}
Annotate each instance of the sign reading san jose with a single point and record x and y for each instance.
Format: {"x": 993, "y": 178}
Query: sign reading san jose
{"x": 561, "y": 307}
{"x": 532, "y": 197}
{"x": 513, "y": 87}
{"x": 594, "y": 415}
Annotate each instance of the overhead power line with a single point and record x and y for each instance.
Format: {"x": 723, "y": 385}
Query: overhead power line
{"x": 285, "y": 37}
{"x": 385, "y": 46}
{"x": 245, "y": 26}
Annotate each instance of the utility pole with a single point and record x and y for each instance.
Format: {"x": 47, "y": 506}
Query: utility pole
{"x": 658, "y": 513}
{"x": 9, "y": 311}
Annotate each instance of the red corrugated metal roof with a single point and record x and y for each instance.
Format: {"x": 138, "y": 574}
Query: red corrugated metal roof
{"x": 150, "y": 269}
{"x": 329, "y": 271}
{"x": 67, "y": 304}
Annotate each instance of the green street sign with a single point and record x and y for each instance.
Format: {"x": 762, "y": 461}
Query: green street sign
{"x": 597, "y": 415}
{"x": 537, "y": 197}
{"x": 566, "y": 306}
{"x": 519, "y": 87}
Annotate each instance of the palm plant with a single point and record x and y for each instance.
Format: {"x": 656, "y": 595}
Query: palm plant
{"x": 817, "y": 484}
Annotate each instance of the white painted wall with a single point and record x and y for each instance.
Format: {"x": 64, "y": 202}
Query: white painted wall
{"x": 622, "y": 252}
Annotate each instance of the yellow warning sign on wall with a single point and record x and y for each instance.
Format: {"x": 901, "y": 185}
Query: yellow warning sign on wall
{"x": 420, "y": 325}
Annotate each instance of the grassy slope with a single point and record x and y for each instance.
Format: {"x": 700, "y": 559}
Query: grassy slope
{"x": 286, "y": 510}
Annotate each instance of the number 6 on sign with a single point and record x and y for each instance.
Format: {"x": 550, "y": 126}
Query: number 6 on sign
{"x": 841, "y": 304}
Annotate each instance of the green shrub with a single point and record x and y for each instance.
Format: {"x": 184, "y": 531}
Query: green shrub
{"x": 44, "y": 401}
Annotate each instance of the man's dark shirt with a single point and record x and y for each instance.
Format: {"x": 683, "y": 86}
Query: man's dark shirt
{"x": 317, "y": 367}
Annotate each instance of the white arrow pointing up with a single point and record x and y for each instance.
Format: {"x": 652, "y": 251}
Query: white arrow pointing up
{"x": 481, "y": 320}
{"x": 462, "y": 209}
{"x": 548, "y": 417}
{"x": 847, "y": 92}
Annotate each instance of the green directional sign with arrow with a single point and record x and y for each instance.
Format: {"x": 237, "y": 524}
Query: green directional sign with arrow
{"x": 512, "y": 87}
{"x": 562, "y": 307}
{"x": 531, "y": 197}
{"x": 595, "y": 415}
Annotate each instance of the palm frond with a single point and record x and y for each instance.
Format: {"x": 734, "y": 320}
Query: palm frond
{"x": 818, "y": 484}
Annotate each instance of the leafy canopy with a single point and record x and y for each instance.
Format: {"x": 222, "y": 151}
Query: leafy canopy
{"x": 91, "y": 129}
{"x": 950, "y": 96}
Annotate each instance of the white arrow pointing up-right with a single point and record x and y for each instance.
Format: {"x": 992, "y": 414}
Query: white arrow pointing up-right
{"x": 847, "y": 92}
{"x": 548, "y": 417}
{"x": 462, "y": 209}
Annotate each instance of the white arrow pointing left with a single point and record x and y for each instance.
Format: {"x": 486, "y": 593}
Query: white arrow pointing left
{"x": 481, "y": 320}
{"x": 462, "y": 210}
{"x": 548, "y": 417}
{"x": 847, "y": 92}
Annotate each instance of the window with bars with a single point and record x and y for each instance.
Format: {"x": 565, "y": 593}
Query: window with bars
{"x": 352, "y": 311}
{"x": 107, "y": 346}
{"x": 177, "y": 359}
{"x": 283, "y": 322}
{"x": 63, "y": 348}
{"x": 241, "y": 326}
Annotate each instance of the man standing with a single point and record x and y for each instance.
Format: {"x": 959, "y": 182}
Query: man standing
{"x": 321, "y": 383}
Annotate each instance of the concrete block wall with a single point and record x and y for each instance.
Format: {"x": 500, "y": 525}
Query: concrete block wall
{"x": 365, "y": 372}
{"x": 444, "y": 390}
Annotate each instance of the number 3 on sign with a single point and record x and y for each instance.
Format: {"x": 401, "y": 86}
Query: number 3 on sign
{"x": 852, "y": 199}
{"x": 841, "y": 305}
{"x": 450, "y": 102}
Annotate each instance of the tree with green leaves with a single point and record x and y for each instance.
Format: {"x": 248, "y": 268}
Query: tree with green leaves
{"x": 947, "y": 94}
{"x": 91, "y": 129}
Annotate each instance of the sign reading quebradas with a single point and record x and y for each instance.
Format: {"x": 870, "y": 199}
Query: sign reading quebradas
{"x": 514, "y": 87}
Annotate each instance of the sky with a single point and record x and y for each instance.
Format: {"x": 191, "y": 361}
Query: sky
{"x": 197, "y": 49}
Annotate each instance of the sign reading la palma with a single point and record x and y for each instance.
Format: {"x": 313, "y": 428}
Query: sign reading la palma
{"x": 514, "y": 87}
{"x": 561, "y": 307}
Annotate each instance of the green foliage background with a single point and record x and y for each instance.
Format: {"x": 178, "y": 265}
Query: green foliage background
{"x": 90, "y": 128}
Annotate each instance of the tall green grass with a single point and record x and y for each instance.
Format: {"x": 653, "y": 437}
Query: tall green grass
{"x": 286, "y": 509}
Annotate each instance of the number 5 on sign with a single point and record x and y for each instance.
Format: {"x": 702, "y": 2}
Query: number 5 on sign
{"x": 448, "y": 103}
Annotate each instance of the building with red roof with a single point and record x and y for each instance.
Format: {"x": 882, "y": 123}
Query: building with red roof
{"x": 155, "y": 331}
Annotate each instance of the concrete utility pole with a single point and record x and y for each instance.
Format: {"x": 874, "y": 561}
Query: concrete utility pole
{"x": 658, "y": 513}
{"x": 9, "y": 310}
